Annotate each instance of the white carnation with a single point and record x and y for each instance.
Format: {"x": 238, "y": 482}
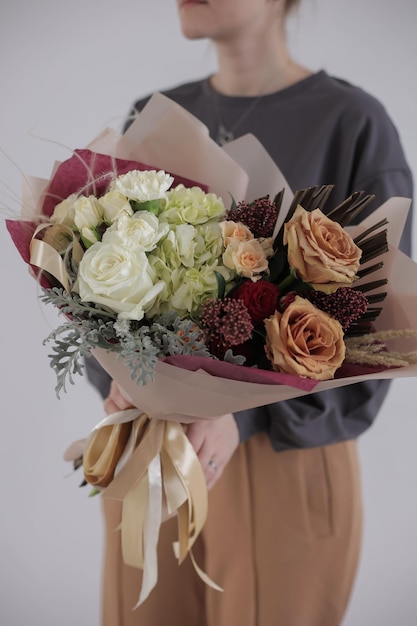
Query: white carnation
{"x": 141, "y": 231}
{"x": 142, "y": 186}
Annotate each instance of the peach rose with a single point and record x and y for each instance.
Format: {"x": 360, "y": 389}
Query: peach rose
{"x": 234, "y": 231}
{"x": 247, "y": 258}
{"x": 304, "y": 341}
{"x": 319, "y": 249}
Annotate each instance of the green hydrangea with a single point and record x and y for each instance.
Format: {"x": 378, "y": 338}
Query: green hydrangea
{"x": 183, "y": 205}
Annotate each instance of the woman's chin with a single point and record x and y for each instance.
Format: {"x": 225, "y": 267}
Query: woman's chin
{"x": 194, "y": 19}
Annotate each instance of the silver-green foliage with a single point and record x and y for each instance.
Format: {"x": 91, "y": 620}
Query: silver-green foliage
{"x": 139, "y": 344}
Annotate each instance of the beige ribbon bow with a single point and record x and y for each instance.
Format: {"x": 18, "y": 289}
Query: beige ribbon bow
{"x": 150, "y": 466}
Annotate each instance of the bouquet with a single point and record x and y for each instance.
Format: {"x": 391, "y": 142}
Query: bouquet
{"x": 204, "y": 286}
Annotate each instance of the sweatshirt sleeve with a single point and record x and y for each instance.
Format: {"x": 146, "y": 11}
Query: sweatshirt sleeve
{"x": 339, "y": 414}
{"x": 97, "y": 376}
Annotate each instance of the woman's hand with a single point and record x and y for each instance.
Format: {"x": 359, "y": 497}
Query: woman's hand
{"x": 115, "y": 401}
{"x": 214, "y": 441}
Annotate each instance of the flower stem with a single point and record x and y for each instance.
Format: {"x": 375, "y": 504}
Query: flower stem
{"x": 288, "y": 280}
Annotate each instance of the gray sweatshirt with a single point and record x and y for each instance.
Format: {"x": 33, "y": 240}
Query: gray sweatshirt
{"x": 321, "y": 130}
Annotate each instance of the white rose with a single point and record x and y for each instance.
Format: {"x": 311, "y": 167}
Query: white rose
{"x": 114, "y": 204}
{"x": 64, "y": 211}
{"x": 118, "y": 278}
{"x": 142, "y": 186}
{"x": 89, "y": 236}
{"x": 87, "y": 212}
{"x": 140, "y": 231}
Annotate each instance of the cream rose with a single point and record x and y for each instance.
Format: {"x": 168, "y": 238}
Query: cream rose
{"x": 235, "y": 231}
{"x": 319, "y": 249}
{"x": 118, "y": 278}
{"x": 304, "y": 341}
{"x": 247, "y": 258}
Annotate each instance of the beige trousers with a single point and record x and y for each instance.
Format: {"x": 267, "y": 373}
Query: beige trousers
{"x": 282, "y": 538}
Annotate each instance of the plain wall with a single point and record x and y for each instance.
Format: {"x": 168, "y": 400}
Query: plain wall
{"x": 67, "y": 70}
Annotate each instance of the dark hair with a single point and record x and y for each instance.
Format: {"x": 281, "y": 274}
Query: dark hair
{"x": 291, "y": 4}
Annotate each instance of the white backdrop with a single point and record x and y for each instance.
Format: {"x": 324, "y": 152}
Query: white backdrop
{"x": 67, "y": 70}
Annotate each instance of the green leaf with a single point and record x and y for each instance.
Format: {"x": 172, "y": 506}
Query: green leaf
{"x": 153, "y": 206}
{"x": 278, "y": 266}
{"x": 233, "y": 205}
{"x": 90, "y": 240}
{"x": 221, "y": 285}
{"x": 288, "y": 280}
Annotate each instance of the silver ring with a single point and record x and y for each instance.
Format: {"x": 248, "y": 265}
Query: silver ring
{"x": 213, "y": 464}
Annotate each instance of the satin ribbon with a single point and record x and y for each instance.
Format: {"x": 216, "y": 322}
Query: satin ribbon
{"x": 149, "y": 465}
{"x": 46, "y": 253}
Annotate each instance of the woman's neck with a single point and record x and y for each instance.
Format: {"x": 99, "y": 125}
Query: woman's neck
{"x": 256, "y": 67}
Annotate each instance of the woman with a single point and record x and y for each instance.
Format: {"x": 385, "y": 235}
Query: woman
{"x": 284, "y": 527}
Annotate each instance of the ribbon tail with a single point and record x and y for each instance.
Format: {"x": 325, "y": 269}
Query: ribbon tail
{"x": 191, "y": 510}
{"x": 203, "y": 575}
{"x": 182, "y": 548}
{"x": 152, "y": 524}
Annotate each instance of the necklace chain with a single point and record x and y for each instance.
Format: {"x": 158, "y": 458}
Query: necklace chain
{"x": 224, "y": 134}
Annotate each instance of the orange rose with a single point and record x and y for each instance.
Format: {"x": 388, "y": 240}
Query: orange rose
{"x": 304, "y": 341}
{"x": 319, "y": 249}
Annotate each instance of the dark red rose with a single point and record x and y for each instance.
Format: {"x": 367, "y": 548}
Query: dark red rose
{"x": 260, "y": 298}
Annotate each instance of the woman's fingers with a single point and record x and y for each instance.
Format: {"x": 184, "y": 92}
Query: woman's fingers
{"x": 115, "y": 401}
{"x": 214, "y": 441}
